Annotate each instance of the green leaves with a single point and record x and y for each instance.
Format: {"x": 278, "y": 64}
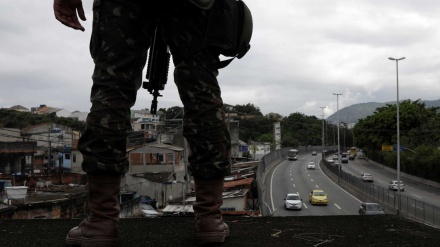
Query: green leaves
{"x": 20, "y": 120}
{"x": 419, "y": 133}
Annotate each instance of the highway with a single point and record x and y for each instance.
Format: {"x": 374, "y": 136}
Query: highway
{"x": 293, "y": 177}
{"x": 414, "y": 191}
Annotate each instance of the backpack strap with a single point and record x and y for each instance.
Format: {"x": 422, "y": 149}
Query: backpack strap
{"x": 224, "y": 63}
{"x": 203, "y": 4}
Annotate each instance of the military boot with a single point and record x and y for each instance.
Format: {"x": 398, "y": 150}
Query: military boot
{"x": 210, "y": 227}
{"x": 101, "y": 227}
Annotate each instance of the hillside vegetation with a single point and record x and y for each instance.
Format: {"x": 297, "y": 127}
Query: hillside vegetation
{"x": 419, "y": 138}
{"x": 20, "y": 120}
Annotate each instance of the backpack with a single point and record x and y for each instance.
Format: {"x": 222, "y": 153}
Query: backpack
{"x": 229, "y": 29}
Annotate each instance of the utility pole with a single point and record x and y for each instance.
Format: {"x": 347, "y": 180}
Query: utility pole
{"x": 339, "y": 147}
{"x": 398, "y": 133}
{"x": 323, "y": 136}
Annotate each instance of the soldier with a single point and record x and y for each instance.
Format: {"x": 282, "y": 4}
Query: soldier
{"x": 121, "y": 37}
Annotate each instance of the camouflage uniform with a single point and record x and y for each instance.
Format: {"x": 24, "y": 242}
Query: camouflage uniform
{"x": 121, "y": 36}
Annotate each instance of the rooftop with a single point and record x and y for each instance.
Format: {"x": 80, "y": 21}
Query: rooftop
{"x": 357, "y": 230}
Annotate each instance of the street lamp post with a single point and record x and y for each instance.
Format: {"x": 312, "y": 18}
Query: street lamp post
{"x": 398, "y": 133}
{"x": 323, "y": 140}
{"x": 339, "y": 148}
{"x": 344, "y": 124}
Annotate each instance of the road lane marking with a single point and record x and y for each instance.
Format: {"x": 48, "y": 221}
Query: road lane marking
{"x": 416, "y": 207}
{"x": 311, "y": 179}
{"x": 336, "y": 184}
{"x": 271, "y": 189}
{"x": 416, "y": 196}
{"x": 304, "y": 204}
{"x": 337, "y": 206}
{"x": 316, "y": 186}
{"x": 268, "y": 207}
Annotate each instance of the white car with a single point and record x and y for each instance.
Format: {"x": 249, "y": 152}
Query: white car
{"x": 311, "y": 165}
{"x": 393, "y": 185}
{"x": 367, "y": 177}
{"x": 148, "y": 211}
{"x": 293, "y": 201}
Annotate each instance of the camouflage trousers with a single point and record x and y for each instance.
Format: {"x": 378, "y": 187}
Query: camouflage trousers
{"x": 121, "y": 37}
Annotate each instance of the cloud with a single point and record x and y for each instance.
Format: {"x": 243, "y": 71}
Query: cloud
{"x": 301, "y": 53}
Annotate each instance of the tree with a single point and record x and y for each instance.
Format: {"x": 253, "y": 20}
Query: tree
{"x": 254, "y": 149}
{"x": 274, "y": 116}
{"x": 20, "y": 120}
{"x": 419, "y": 131}
{"x": 303, "y": 130}
{"x": 289, "y": 140}
{"x": 268, "y": 137}
{"x": 251, "y": 129}
{"x": 418, "y": 125}
{"x": 173, "y": 112}
{"x": 248, "y": 109}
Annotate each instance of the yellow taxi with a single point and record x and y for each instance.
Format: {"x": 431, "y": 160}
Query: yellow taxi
{"x": 318, "y": 197}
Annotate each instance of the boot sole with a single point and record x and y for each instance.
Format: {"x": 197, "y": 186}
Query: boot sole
{"x": 211, "y": 237}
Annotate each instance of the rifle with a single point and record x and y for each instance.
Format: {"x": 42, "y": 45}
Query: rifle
{"x": 158, "y": 66}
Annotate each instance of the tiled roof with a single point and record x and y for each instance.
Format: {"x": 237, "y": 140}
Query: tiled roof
{"x": 240, "y": 182}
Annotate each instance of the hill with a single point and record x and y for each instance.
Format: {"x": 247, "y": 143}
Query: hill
{"x": 352, "y": 114}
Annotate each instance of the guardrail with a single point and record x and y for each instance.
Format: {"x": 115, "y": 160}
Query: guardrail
{"x": 409, "y": 207}
{"x": 265, "y": 163}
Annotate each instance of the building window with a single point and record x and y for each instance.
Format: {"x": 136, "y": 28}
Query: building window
{"x": 74, "y": 158}
{"x": 171, "y": 158}
{"x": 160, "y": 157}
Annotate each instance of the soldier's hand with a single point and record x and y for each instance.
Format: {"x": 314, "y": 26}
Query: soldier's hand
{"x": 66, "y": 12}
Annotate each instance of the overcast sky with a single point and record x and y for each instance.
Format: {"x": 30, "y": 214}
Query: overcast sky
{"x": 302, "y": 52}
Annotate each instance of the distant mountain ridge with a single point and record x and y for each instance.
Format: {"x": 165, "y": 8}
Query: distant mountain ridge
{"x": 352, "y": 114}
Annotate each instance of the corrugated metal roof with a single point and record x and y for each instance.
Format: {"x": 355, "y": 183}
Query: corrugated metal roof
{"x": 178, "y": 209}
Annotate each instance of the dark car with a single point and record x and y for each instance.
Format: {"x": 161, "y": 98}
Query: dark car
{"x": 150, "y": 201}
{"x": 370, "y": 208}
